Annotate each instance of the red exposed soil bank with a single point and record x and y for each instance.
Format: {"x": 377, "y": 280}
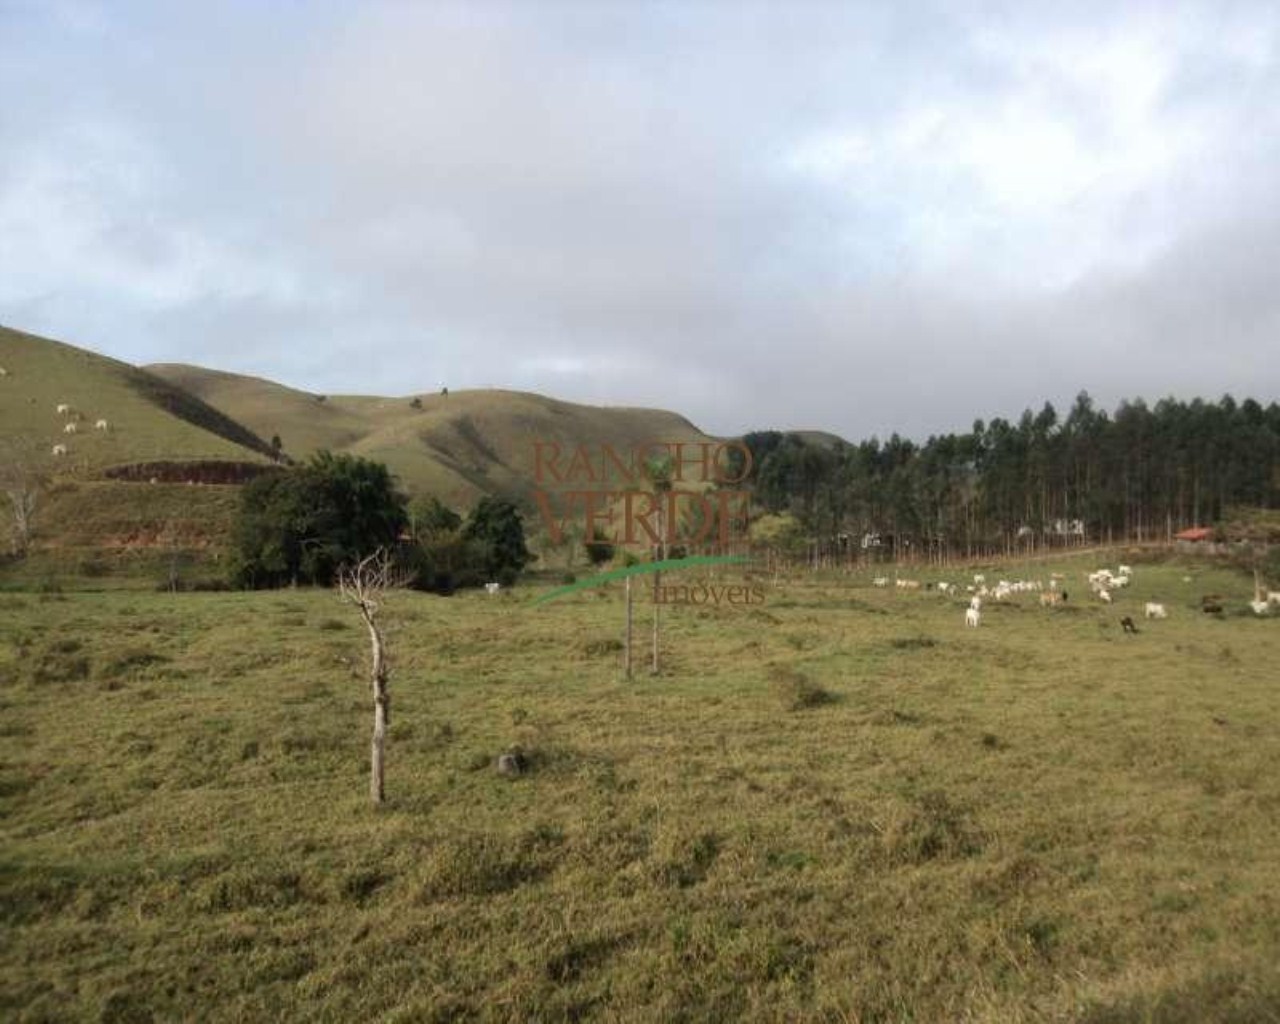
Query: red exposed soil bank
{"x": 204, "y": 472}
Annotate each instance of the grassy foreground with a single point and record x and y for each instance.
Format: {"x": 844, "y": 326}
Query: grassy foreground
{"x": 841, "y": 805}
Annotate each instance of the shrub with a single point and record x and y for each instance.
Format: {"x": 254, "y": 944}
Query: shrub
{"x": 599, "y": 549}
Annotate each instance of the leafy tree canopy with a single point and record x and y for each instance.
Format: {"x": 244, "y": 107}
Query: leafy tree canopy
{"x": 301, "y": 525}
{"x": 495, "y": 524}
{"x": 429, "y": 518}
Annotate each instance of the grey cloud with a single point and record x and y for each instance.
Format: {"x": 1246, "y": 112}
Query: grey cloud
{"x": 816, "y": 216}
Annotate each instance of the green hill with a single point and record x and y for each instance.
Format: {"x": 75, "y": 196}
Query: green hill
{"x": 149, "y": 419}
{"x": 95, "y": 513}
{"x": 457, "y": 446}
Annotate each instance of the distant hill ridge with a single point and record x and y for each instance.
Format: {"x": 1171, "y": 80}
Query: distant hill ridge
{"x": 456, "y": 445}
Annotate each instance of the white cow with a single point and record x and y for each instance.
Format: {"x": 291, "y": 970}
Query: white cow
{"x": 70, "y": 428}
{"x": 1155, "y": 610}
{"x": 63, "y": 408}
{"x": 100, "y": 425}
{"x": 59, "y": 449}
{"x": 492, "y": 588}
{"x": 972, "y": 617}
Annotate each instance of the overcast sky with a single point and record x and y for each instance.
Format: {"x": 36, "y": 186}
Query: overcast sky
{"x": 855, "y": 217}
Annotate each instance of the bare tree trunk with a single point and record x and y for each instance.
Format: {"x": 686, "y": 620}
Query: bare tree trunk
{"x": 21, "y": 484}
{"x": 381, "y": 710}
{"x": 22, "y": 500}
{"x": 364, "y": 585}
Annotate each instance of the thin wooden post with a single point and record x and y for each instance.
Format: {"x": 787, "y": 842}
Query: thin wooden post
{"x": 657, "y": 595}
{"x": 627, "y": 644}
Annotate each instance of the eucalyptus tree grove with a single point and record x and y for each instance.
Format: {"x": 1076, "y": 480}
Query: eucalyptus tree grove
{"x": 1141, "y": 473}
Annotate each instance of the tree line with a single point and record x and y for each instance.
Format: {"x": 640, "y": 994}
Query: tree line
{"x": 1142, "y": 473}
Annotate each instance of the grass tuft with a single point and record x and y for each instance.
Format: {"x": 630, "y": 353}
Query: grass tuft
{"x": 478, "y": 865}
{"x": 796, "y": 691}
{"x": 933, "y": 829}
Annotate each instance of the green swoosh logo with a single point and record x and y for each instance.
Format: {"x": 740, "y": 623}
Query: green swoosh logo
{"x": 638, "y": 570}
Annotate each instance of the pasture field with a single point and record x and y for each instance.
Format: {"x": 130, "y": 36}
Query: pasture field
{"x": 840, "y": 805}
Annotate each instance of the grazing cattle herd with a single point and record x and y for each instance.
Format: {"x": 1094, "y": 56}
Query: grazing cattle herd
{"x": 71, "y": 425}
{"x": 1102, "y": 583}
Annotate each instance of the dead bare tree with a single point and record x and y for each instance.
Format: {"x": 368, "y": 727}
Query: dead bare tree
{"x": 21, "y": 482}
{"x": 365, "y": 586}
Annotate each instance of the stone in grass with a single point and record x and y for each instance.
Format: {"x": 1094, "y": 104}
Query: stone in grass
{"x": 512, "y": 764}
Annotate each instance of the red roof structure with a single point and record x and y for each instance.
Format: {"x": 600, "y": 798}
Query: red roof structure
{"x": 1195, "y": 533}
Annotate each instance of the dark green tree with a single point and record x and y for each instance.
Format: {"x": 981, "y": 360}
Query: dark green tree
{"x": 430, "y": 518}
{"x": 300, "y": 526}
{"x": 496, "y": 527}
{"x": 442, "y": 561}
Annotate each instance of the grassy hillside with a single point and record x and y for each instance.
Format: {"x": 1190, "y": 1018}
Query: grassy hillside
{"x": 305, "y": 422}
{"x": 149, "y": 418}
{"x": 840, "y": 805}
{"x": 108, "y": 535}
{"x": 456, "y": 446}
